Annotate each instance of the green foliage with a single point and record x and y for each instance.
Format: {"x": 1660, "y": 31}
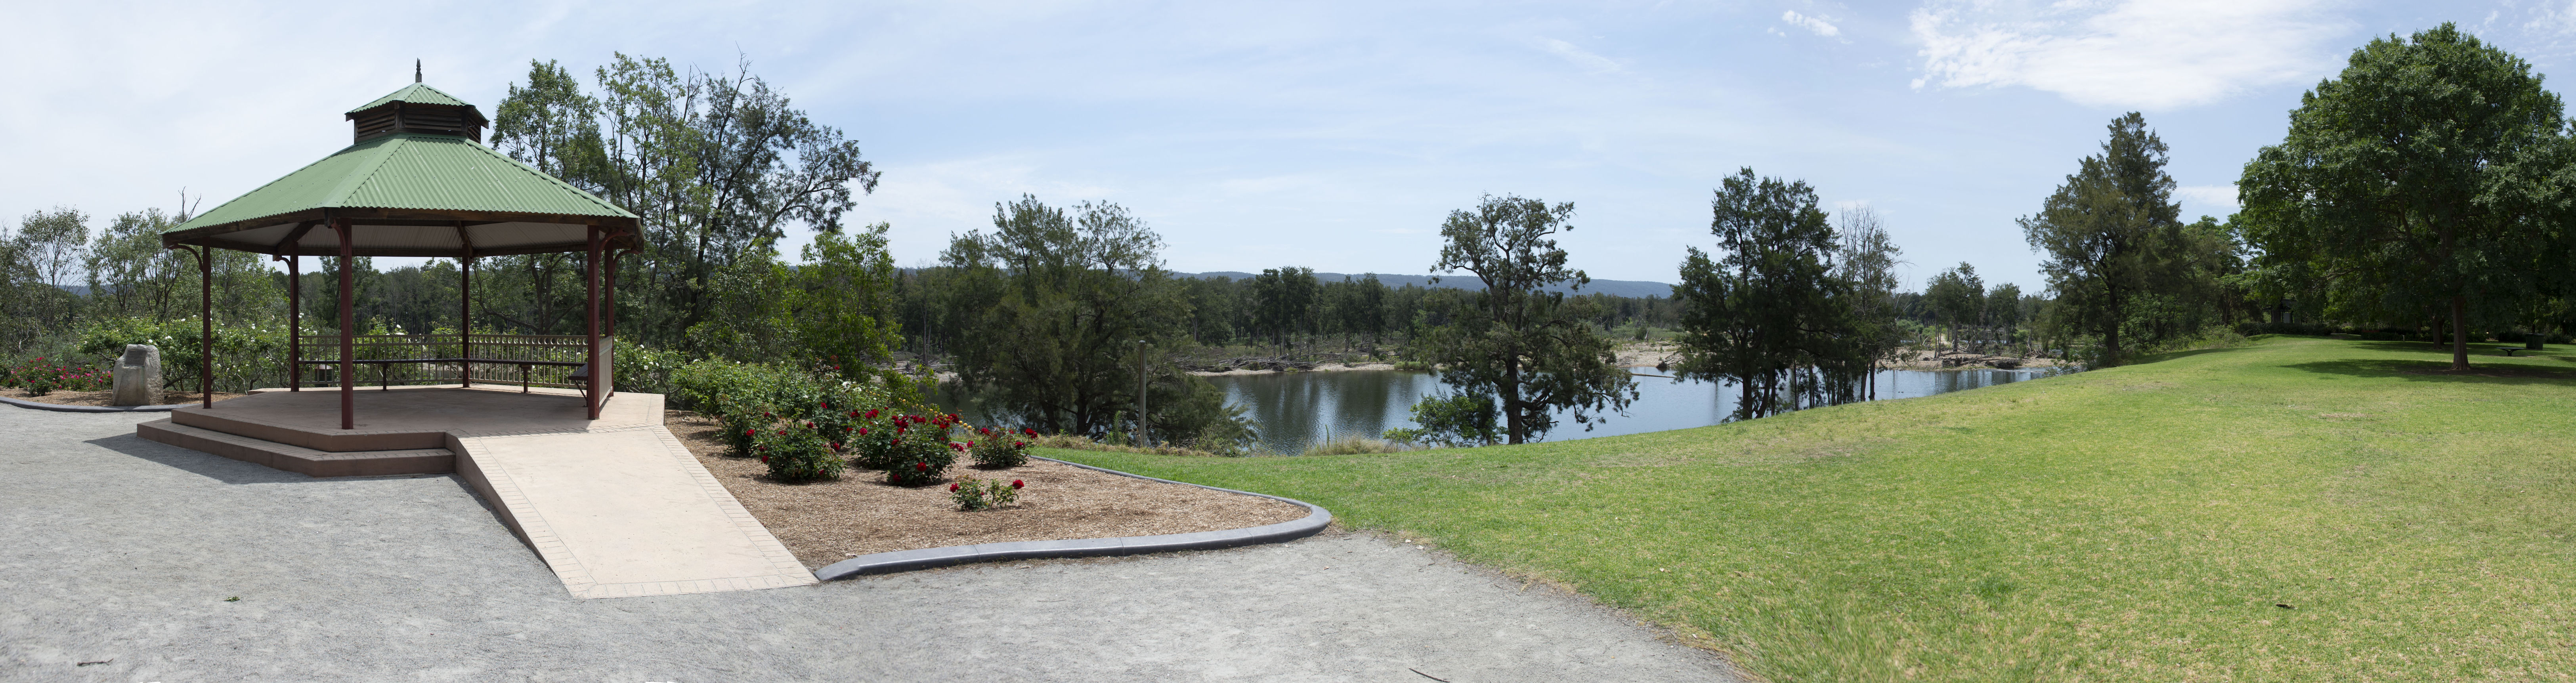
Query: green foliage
{"x": 1047, "y": 312}
{"x": 247, "y": 356}
{"x": 999, "y": 448}
{"x": 2427, "y": 181}
{"x": 717, "y": 165}
{"x": 797, "y": 451}
{"x": 41, "y": 376}
{"x": 842, "y": 300}
{"x": 1532, "y": 351}
{"x": 643, "y": 369}
{"x": 973, "y": 494}
{"x": 1452, "y": 420}
{"x": 2113, "y": 235}
{"x": 1771, "y": 314}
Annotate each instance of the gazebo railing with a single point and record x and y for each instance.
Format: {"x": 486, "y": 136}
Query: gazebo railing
{"x": 386, "y": 360}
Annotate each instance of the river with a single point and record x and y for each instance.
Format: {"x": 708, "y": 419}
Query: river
{"x": 1296, "y": 409}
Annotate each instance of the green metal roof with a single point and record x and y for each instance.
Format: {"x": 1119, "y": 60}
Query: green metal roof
{"x": 415, "y": 94}
{"x": 409, "y": 171}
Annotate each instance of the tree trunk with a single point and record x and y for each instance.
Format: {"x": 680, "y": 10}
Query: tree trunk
{"x": 2111, "y": 333}
{"x": 1515, "y": 432}
{"x": 2459, "y": 332}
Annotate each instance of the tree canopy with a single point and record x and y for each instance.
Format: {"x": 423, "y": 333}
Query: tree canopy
{"x": 1530, "y": 351}
{"x": 2428, "y": 180}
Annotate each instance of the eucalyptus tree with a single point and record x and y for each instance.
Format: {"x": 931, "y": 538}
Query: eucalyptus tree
{"x": 2108, "y": 234}
{"x": 1051, "y": 306}
{"x": 1957, "y": 296}
{"x": 1866, "y": 262}
{"x": 1768, "y": 313}
{"x": 1529, "y": 351}
{"x": 1284, "y": 302}
{"x": 715, "y": 165}
{"x": 2429, "y": 175}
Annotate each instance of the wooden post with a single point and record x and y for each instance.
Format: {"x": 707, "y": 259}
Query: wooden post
{"x": 348, "y": 322}
{"x": 590, "y": 281}
{"x": 295, "y": 322}
{"x": 206, "y": 325}
{"x": 465, "y": 308}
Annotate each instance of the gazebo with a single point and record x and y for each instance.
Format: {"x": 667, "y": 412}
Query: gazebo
{"x": 417, "y": 181}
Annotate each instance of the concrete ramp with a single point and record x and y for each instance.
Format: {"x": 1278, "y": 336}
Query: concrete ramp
{"x": 615, "y": 506}
{"x": 626, "y": 513}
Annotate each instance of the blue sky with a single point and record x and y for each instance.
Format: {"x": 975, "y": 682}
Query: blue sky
{"x": 1324, "y": 134}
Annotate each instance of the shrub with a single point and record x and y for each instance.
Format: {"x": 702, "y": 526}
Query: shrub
{"x": 973, "y": 494}
{"x": 797, "y": 451}
{"x": 893, "y": 441}
{"x": 997, "y": 449}
{"x": 247, "y": 356}
{"x": 40, "y": 377}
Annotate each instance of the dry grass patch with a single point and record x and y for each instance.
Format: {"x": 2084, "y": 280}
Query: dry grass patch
{"x": 828, "y": 521}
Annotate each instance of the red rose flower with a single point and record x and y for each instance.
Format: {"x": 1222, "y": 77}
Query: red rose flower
{"x": 863, "y": 431}
{"x": 782, "y": 432}
{"x": 764, "y": 458}
{"x": 749, "y": 432}
{"x": 921, "y": 467}
{"x": 952, "y": 487}
{"x": 1019, "y": 444}
{"x": 1015, "y": 483}
{"x": 872, "y": 413}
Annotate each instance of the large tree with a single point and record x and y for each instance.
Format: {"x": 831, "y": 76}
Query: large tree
{"x": 2110, "y": 232}
{"x": 719, "y": 167}
{"x": 1529, "y": 350}
{"x": 1957, "y": 297}
{"x": 1768, "y": 313}
{"x": 1050, "y": 307}
{"x": 2424, "y": 177}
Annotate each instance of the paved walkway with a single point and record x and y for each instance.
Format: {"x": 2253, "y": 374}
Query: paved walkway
{"x": 125, "y": 551}
{"x": 616, "y": 505}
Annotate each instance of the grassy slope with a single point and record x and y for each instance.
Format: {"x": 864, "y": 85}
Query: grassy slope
{"x": 2136, "y": 523}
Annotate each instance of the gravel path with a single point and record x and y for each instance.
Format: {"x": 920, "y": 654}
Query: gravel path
{"x": 118, "y": 550}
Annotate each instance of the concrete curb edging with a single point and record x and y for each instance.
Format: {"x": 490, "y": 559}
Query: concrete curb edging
{"x": 928, "y": 558}
{"x": 60, "y": 408}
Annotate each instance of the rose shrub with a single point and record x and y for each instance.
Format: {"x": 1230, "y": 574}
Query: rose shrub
{"x": 797, "y": 451}
{"x": 999, "y": 448}
{"x": 41, "y": 376}
{"x": 973, "y": 494}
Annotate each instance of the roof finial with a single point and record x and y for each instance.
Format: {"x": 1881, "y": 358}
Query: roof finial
{"x": 415, "y": 71}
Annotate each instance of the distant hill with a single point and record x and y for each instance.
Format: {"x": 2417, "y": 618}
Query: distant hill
{"x": 1634, "y": 288}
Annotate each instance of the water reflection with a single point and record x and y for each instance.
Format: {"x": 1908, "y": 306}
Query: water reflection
{"x": 1297, "y": 409}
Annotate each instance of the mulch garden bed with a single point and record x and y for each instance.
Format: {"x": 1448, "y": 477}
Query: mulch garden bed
{"x": 101, "y": 398}
{"x": 828, "y": 521}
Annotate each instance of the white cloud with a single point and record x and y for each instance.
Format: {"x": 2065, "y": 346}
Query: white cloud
{"x": 1817, "y": 25}
{"x": 2146, "y": 54}
{"x": 2222, "y": 195}
{"x": 1590, "y": 62}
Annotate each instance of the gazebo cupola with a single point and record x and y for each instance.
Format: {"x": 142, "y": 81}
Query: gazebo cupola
{"x": 417, "y": 109}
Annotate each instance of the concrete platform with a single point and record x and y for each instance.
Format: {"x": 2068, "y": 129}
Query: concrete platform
{"x": 615, "y": 506}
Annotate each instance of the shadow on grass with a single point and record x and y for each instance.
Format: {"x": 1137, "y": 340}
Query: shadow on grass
{"x": 2440, "y": 371}
{"x": 2178, "y": 355}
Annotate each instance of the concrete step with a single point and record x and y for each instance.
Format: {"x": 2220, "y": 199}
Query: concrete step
{"x": 299, "y": 459}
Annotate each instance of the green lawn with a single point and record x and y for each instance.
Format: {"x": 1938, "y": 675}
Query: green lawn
{"x": 2137, "y": 523}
